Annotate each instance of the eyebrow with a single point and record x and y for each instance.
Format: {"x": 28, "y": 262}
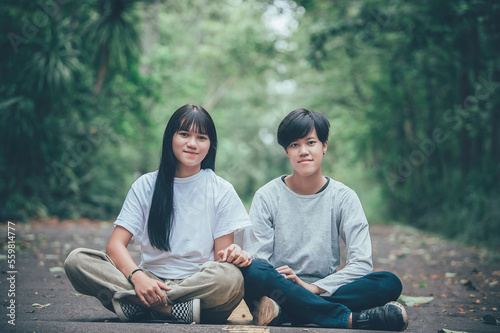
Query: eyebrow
{"x": 192, "y": 130}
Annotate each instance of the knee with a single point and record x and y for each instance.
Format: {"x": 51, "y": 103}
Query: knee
{"x": 390, "y": 284}
{"x": 74, "y": 260}
{"x": 226, "y": 276}
{"x": 258, "y": 271}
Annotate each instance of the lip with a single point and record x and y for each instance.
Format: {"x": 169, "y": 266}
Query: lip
{"x": 192, "y": 153}
{"x": 305, "y": 160}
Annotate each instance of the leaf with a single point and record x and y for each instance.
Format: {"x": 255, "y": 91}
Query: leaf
{"x": 450, "y": 275}
{"x": 444, "y": 330}
{"x": 412, "y": 300}
{"x": 40, "y": 306}
{"x": 56, "y": 269}
{"x": 490, "y": 320}
{"x": 51, "y": 256}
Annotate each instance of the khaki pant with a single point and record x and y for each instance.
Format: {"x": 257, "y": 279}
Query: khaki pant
{"x": 218, "y": 285}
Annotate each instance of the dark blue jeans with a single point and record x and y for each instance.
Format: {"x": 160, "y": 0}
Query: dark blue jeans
{"x": 301, "y": 307}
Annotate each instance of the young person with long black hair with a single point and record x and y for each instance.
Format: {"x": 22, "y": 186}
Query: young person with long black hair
{"x": 184, "y": 217}
{"x": 297, "y": 223}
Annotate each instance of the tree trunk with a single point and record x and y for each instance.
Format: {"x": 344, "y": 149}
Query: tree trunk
{"x": 102, "y": 71}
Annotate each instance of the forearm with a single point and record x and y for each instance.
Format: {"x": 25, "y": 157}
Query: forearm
{"x": 121, "y": 258}
{"x": 351, "y": 272}
{"x": 314, "y": 289}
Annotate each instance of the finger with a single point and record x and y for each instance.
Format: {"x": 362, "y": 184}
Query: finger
{"x": 220, "y": 254}
{"x": 153, "y": 297}
{"x": 149, "y": 299}
{"x": 164, "y": 286}
{"x": 143, "y": 300}
{"x": 237, "y": 261}
{"x": 285, "y": 271}
{"x": 162, "y": 294}
{"x": 248, "y": 258}
{"x": 245, "y": 263}
{"x": 225, "y": 253}
{"x": 234, "y": 254}
{"x": 229, "y": 250}
{"x": 157, "y": 296}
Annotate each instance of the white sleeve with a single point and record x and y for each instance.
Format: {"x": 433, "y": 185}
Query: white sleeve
{"x": 231, "y": 214}
{"x": 132, "y": 215}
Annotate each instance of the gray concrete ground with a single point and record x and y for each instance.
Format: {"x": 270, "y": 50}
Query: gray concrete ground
{"x": 462, "y": 281}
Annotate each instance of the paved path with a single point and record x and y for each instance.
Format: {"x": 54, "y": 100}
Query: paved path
{"x": 462, "y": 281}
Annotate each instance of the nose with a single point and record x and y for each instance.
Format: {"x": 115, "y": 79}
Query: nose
{"x": 191, "y": 141}
{"x": 303, "y": 150}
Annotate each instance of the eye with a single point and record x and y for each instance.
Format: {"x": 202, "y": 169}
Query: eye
{"x": 293, "y": 145}
{"x": 312, "y": 142}
{"x": 203, "y": 137}
{"x": 183, "y": 134}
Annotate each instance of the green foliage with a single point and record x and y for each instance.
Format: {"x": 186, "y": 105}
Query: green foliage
{"x": 425, "y": 76}
{"x": 62, "y": 144}
{"x": 410, "y": 88}
{"x": 83, "y": 110}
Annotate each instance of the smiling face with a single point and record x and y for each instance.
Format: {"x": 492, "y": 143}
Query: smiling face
{"x": 306, "y": 154}
{"x": 190, "y": 148}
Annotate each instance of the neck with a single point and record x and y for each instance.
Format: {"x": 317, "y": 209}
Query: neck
{"x": 305, "y": 185}
{"x": 182, "y": 171}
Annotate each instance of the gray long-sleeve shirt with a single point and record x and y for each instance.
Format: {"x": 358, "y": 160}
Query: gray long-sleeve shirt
{"x": 302, "y": 231}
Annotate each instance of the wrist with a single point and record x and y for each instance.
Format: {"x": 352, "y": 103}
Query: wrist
{"x": 317, "y": 290}
{"x": 133, "y": 273}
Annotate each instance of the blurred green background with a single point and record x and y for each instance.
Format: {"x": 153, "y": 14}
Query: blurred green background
{"x": 411, "y": 88}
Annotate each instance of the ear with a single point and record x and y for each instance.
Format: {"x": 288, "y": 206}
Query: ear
{"x": 325, "y": 146}
{"x": 286, "y": 151}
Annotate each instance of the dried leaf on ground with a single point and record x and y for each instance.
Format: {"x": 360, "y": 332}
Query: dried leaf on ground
{"x": 413, "y": 300}
{"x": 56, "y": 269}
{"x": 40, "y": 306}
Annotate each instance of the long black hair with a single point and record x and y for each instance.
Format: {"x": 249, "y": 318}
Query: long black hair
{"x": 186, "y": 118}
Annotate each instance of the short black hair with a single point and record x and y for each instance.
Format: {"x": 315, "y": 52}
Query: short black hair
{"x": 300, "y": 122}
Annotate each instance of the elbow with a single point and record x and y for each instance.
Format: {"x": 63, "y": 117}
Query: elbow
{"x": 369, "y": 265}
{"x": 112, "y": 248}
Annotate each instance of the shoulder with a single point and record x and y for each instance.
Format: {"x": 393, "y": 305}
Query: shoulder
{"x": 146, "y": 182}
{"x": 341, "y": 192}
{"x": 216, "y": 180}
{"x": 271, "y": 188}
{"x": 339, "y": 187}
{"x": 270, "y": 193}
{"x": 218, "y": 186}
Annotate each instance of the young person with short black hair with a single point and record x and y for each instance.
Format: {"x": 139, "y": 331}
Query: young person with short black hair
{"x": 184, "y": 217}
{"x": 297, "y": 223}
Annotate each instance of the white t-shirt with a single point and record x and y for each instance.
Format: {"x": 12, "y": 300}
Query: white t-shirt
{"x": 206, "y": 207}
